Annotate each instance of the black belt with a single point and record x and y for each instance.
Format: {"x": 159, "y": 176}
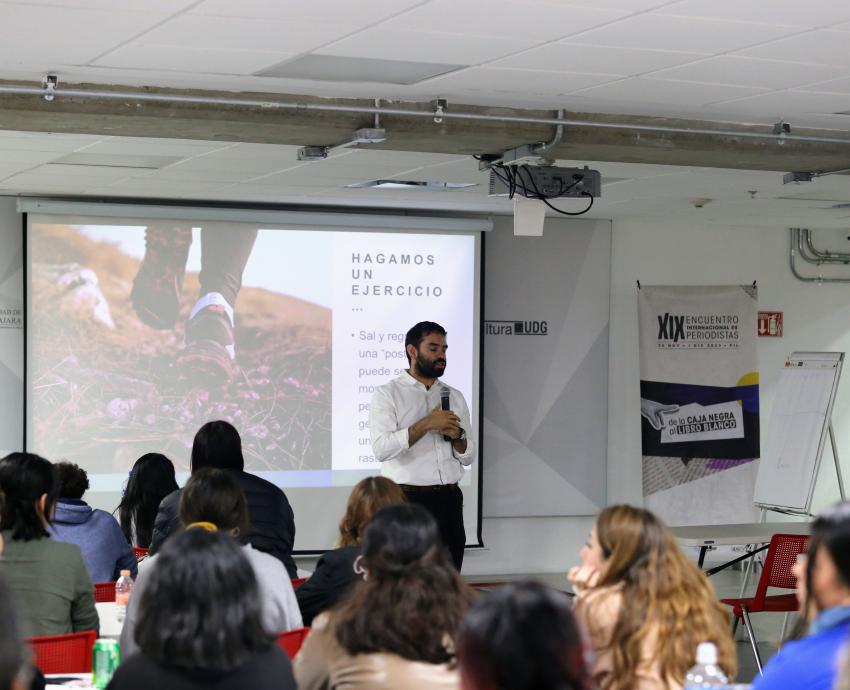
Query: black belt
{"x": 413, "y": 489}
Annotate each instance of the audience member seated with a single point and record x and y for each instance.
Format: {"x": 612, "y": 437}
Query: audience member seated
{"x": 397, "y": 627}
{"x": 334, "y": 575}
{"x": 151, "y": 479}
{"x": 200, "y": 622}
{"x": 213, "y": 498}
{"x": 824, "y": 589}
{"x": 105, "y": 550}
{"x": 48, "y": 578}
{"x": 644, "y": 605}
{"x": 217, "y": 444}
{"x": 522, "y": 637}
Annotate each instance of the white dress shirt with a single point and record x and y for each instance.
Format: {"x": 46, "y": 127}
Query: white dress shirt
{"x": 398, "y": 405}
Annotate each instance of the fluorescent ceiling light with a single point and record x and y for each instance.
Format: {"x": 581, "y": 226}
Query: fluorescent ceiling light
{"x": 352, "y": 69}
{"x": 422, "y": 185}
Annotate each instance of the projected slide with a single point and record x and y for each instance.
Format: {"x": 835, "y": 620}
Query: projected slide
{"x": 139, "y": 334}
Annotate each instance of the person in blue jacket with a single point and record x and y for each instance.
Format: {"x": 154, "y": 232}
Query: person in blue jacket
{"x": 106, "y": 551}
{"x": 823, "y": 588}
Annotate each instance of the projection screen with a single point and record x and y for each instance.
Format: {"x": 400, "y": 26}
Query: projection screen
{"x": 114, "y": 372}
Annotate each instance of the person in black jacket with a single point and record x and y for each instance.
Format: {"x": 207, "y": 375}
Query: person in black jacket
{"x": 217, "y": 444}
{"x": 200, "y": 623}
{"x": 335, "y": 574}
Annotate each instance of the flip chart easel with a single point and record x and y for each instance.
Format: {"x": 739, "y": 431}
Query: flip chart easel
{"x": 797, "y": 433}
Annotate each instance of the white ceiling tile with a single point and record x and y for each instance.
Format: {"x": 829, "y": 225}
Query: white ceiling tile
{"x": 742, "y": 71}
{"x": 595, "y": 59}
{"x": 524, "y": 19}
{"x": 184, "y": 59}
{"x": 520, "y": 81}
{"x": 160, "y": 6}
{"x": 197, "y": 31}
{"x": 810, "y": 14}
{"x": 46, "y": 141}
{"x": 832, "y": 86}
{"x": 65, "y": 35}
{"x": 629, "y": 6}
{"x": 424, "y": 46}
{"x": 784, "y": 103}
{"x": 342, "y": 11}
{"x": 812, "y": 47}
{"x": 660, "y": 91}
{"x": 663, "y": 32}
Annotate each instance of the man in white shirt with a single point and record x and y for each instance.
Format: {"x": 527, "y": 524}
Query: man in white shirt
{"x": 421, "y": 446}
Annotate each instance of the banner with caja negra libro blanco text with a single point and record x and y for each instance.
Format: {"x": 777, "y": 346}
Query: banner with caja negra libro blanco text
{"x": 699, "y": 401}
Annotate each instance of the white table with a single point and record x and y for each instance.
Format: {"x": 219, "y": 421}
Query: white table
{"x": 110, "y": 626}
{"x": 705, "y": 536}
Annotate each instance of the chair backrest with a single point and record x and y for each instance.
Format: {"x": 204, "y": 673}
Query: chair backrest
{"x": 298, "y": 581}
{"x": 291, "y": 640}
{"x": 64, "y": 653}
{"x": 781, "y": 556}
{"x": 104, "y": 591}
{"x": 140, "y": 552}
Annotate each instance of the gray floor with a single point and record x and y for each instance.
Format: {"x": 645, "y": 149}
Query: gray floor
{"x": 727, "y": 584}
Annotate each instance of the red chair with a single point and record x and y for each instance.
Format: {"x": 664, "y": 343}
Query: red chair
{"x": 298, "y": 581}
{"x": 64, "y": 653}
{"x": 140, "y": 552}
{"x": 781, "y": 556}
{"x": 291, "y": 640}
{"x": 104, "y": 591}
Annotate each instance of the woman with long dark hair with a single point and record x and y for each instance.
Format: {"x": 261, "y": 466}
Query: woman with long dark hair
{"x": 397, "y": 627}
{"x": 334, "y": 575}
{"x": 824, "y": 593}
{"x": 200, "y": 623}
{"x": 48, "y": 578}
{"x": 522, "y": 637}
{"x": 645, "y": 606}
{"x": 151, "y": 479}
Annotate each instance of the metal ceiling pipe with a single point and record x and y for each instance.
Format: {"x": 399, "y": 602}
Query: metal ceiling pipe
{"x": 60, "y": 92}
{"x": 797, "y": 247}
{"x": 824, "y": 257}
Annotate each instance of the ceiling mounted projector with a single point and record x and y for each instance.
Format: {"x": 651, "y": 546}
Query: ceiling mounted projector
{"x": 547, "y": 182}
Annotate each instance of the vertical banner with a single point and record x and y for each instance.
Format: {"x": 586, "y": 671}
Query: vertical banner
{"x": 699, "y": 402}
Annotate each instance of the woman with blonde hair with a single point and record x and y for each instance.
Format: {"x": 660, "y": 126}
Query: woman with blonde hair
{"x": 334, "y": 575}
{"x": 644, "y": 605}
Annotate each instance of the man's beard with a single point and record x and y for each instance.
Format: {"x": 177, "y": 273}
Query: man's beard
{"x": 429, "y": 369}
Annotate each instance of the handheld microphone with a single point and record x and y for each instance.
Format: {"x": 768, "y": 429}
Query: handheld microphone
{"x": 444, "y": 405}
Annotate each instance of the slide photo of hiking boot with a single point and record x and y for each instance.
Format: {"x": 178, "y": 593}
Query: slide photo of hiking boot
{"x": 210, "y": 354}
{"x": 159, "y": 282}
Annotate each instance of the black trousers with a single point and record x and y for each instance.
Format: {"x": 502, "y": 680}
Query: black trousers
{"x": 446, "y": 505}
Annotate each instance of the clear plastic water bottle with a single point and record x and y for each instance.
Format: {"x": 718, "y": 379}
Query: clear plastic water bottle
{"x": 706, "y": 673}
{"x": 123, "y": 587}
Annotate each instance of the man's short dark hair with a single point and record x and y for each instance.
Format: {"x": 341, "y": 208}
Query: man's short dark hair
{"x": 419, "y": 332}
{"x": 217, "y": 444}
{"x": 72, "y": 480}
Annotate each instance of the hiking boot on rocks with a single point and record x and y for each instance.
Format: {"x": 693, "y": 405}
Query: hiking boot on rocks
{"x": 157, "y": 287}
{"x": 210, "y": 352}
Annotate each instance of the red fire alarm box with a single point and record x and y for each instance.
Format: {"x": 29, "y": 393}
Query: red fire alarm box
{"x": 770, "y": 324}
